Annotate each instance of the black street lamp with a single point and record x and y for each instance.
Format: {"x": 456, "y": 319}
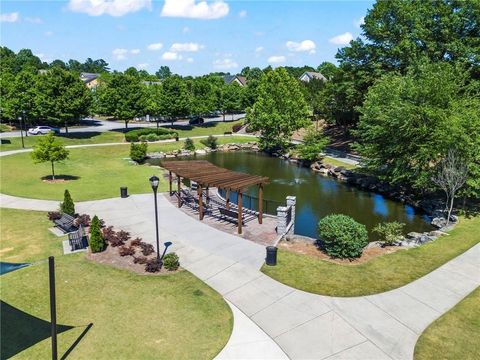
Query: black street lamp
{"x": 21, "y": 130}
{"x": 24, "y": 114}
{"x": 154, "y": 184}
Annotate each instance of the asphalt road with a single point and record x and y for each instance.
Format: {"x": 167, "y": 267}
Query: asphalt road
{"x": 94, "y": 125}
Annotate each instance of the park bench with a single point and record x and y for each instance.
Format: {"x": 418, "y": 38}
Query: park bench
{"x": 230, "y": 215}
{"x": 66, "y": 223}
{"x": 78, "y": 239}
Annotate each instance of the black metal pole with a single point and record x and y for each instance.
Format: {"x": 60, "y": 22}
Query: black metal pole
{"x": 21, "y": 132}
{"x": 53, "y": 310}
{"x": 156, "y": 225}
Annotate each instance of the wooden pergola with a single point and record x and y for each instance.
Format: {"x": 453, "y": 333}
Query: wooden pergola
{"x": 207, "y": 175}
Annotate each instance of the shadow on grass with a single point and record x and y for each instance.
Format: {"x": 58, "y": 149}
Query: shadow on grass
{"x": 60, "y": 178}
{"x": 76, "y": 342}
{"x": 21, "y": 330}
{"x": 79, "y": 135}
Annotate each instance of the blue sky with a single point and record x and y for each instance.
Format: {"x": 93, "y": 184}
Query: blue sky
{"x": 192, "y": 37}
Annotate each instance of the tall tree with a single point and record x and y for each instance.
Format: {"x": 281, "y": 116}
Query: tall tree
{"x": 279, "y": 110}
{"x": 49, "y": 149}
{"x": 176, "y": 98}
{"x": 203, "y": 99}
{"x": 163, "y": 72}
{"x": 230, "y": 98}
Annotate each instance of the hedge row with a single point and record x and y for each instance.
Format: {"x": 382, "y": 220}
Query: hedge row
{"x": 161, "y": 134}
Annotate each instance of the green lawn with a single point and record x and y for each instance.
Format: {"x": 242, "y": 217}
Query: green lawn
{"x": 218, "y": 128}
{"x": 455, "y": 335}
{"x": 94, "y": 173}
{"x": 379, "y": 274}
{"x": 336, "y": 162}
{"x": 133, "y": 316}
{"x": 21, "y": 243}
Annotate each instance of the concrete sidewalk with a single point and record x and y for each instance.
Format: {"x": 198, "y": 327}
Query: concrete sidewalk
{"x": 302, "y": 325}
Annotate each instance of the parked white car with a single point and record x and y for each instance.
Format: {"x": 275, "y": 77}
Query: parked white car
{"x": 42, "y": 130}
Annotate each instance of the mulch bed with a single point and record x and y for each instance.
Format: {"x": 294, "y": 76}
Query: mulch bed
{"x": 311, "y": 249}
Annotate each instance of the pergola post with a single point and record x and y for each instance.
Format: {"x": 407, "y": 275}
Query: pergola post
{"x": 227, "y": 196}
{"x": 200, "y": 202}
{"x": 207, "y": 196}
{"x": 240, "y": 212}
{"x": 178, "y": 191}
{"x": 260, "y": 203}
{"x": 170, "y": 182}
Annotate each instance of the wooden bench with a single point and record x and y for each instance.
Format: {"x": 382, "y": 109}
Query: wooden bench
{"x": 66, "y": 223}
{"x": 77, "y": 239}
{"x": 229, "y": 215}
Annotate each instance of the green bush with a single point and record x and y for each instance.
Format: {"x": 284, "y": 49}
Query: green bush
{"x": 97, "y": 243}
{"x": 67, "y": 206}
{"x": 314, "y": 142}
{"x": 211, "y": 142}
{"x": 189, "y": 145}
{"x": 160, "y": 134}
{"x": 171, "y": 261}
{"x": 138, "y": 151}
{"x": 389, "y": 232}
{"x": 342, "y": 236}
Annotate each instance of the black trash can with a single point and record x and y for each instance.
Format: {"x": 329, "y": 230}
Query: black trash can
{"x": 271, "y": 259}
{"x": 123, "y": 192}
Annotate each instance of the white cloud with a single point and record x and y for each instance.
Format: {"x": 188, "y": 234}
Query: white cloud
{"x": 242, "y": 13}
{"x": 224, "y": 64}
{"x": 119, "y": 54}
{"x": 143, "y": 65}
{"x": 276, "y": 59}
{"x": 192, "y": 9}
{"x": 190, "y": 60}
{"x": 48, "y": 33}
{"x": 10, "y": 17}
{"x": 186, "y": 29}
{"x": 259, "y": 49}
{"x": 171, "y": 56}
{"x": 342, "y": 39}
{"x": 305, "y": 45}
{"x": 34, "y": 20}
{"x": 135, "y": 51}
{"x": 155, "y": 46}
{"x": 109, "y": 7}
{"x": 187, "y": 47}
{"x": 359, "y": 22}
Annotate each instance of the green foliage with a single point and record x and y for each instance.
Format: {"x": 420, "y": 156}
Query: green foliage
{"x": 175, "y": 99}
{"x": 189, "y": 145}
{"x": 389, "y": 232}
{"x": 171, "y": 261}
{"x": 410, "y": 122}
{"x": 97, "y": 243}
{"x": 161, "y": 134}
{"x": 211, "y": 142}
{"x": 138, "y": 151}
{"x": 280, "y": 109}
{"x": 67, "y": 206}
{"x": 314, "y": 142}
{"x": 49, "y": 149}
{"x": 163, "y": 72}
{"x": 342, "y": 236}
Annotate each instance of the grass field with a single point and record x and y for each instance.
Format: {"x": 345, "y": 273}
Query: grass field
{"x": 380, "y": 274}
{"x": 336, "y": 162}
{"x": 218, "y": 128}
{"x": 21, "y": 243}
{"x": 455, "y": 335}
{"x": 90, "y": 173}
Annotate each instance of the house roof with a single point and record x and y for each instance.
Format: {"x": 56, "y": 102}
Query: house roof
{"x": 314, "y": 75}
{"x": 151, "y": 82}
{"x": 87, "y": 77}
{"x": 230, "y": 78}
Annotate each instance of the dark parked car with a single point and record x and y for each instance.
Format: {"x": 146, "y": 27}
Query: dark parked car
{"x": 196, "y": 120}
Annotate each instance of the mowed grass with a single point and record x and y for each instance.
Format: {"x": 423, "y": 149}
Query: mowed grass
{"x": 91, "y": 173}
{"x": 379, "y": 274}
{"x": 25, "y": 236}
{"x": 455, "y": 335}
{"x": 336, "y": 162}
{"x": 134, "y": 316}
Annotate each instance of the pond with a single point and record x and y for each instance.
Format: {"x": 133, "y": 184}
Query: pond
{"x": 317, "y": 196}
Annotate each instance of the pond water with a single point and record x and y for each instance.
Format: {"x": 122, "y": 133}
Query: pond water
{"x": 317, "y": 196}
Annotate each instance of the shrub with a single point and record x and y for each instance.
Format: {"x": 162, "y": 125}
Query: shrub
{"x": 136, "y": 242}
{"x": 147, "y": 249}
{"x": 342, "y": 236}
{"x": 237, "y": 127}
{"x": 84, "y": 220}
{"x": 140, "y": 260}
{"x": 211, "y": 142}
{"x": 97, "y": 242}
{"x": 389, "y": 232}
{"x": 153, "y": 266}
{"x": 123, "y": 236}
{"x": 189, "y": 145}
{"x": 67, "y": 206}
{"x": 138, "y": 152}
{"x": 108, "y": 234}
{"x": 54, "y": 215}
{"x": 160, "y": 133}
{"x": 171, "y": 261}
{"x": 314, "y": 142}
{"x": 126, "y": 251}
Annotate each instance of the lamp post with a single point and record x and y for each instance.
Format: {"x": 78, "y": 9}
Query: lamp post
{"x": 21, "y": 130}
{"x": 24, "y": 114}
{"x": 154, "y": 184}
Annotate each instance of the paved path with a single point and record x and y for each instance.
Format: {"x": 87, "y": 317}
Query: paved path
{"x": 303, "y": 325}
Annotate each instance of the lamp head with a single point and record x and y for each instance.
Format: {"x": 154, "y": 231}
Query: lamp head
{"x": 154, "y": 181}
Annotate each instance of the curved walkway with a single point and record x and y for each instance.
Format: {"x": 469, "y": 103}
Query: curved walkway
{"x": 304, "y": 325}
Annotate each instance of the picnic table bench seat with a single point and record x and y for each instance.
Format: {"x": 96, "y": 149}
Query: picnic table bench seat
{"x": 66, "y": 223}
{"x": 77, "y": 239}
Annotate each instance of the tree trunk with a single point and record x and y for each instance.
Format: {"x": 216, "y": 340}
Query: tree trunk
{"x": 223, "y": 115}
{"x": 450, "y": 209}
{"x": 66, "y": 127}
{"x": 126, "y": 124}
{"x": 53, "y": 171}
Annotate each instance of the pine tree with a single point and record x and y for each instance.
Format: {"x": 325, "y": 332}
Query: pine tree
{"x": 67, "y": 206}
{"x": 97, "y": 243}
